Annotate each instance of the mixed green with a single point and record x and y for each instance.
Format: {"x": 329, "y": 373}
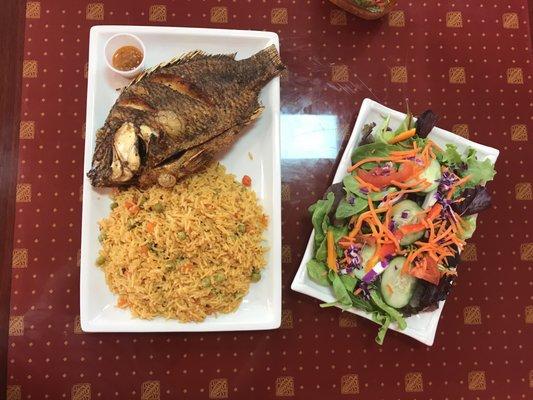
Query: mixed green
{"x": 388, "y": 238}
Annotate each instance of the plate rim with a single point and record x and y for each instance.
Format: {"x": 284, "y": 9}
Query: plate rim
{"x": 274, "y": 320}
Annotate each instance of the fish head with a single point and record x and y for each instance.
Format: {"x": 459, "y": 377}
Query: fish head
{"x": 117, "y": 157}
{"x": 126, "y": 160}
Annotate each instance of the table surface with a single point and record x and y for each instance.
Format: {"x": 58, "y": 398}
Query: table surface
{"x": 469, "y": 61}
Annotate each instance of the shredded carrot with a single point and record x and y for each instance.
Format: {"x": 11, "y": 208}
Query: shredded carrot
{"x": 413, "y": 183}
{"x": 412, "y": 152}
{"x": 403, "y": 136}
{"x": 367, "y": 185}
{"x": 332, "y": 257}
{"x": 375, "y": 258}
{"x": 412, "y": 228}
{"x": 431, "y": 231}
{"x": 444, "y": 234}
{"x": 431, "y": 143}
{"x": 143, "y": 249}
{"x": 456, "y": 185}
{"x": 434, "y": 211}
{"x": 367, "y": 160}
{"x": 362, "y": 218}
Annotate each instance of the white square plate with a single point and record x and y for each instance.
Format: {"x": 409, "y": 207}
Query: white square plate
{"x": 422, "y": 326}
{"x": 261, "y": 308}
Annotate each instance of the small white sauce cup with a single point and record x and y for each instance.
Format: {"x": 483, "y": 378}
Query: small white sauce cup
{"x": 117, "y": 41}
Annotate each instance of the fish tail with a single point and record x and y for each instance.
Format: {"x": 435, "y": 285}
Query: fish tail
{"x": 269, "y": 60}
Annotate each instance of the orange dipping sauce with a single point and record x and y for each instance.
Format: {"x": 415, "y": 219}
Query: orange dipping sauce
{"x": 127, "y": 58}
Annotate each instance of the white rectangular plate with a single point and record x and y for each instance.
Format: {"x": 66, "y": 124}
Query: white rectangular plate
{"x": 261, "y": 308}
{"x": 421, "y": 327}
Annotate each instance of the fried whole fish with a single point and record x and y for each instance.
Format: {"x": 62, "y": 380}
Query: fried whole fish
{"x": 172, "y": 119}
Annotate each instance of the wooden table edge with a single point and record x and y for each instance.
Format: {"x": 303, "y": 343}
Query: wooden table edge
{"x": 12, "y": 23}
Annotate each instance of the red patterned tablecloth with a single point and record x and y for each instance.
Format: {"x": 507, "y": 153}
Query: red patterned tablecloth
{"x": 468, "y": 60}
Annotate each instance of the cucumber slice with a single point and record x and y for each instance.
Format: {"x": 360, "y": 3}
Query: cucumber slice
{"x": 352, "y": 186}
{"x": 406, "y": 213}
{"x": 367, "y": 252}
{"x": 432, "y": 174}
{"x": 397, "y": 288}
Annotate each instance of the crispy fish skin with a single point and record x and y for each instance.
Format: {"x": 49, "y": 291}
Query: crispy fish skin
{"x": 174, "y": 113}
{"x": 193, "y": 160}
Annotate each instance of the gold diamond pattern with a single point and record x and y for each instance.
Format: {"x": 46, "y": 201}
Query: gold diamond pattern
{"x": 454, "y": 19}
{"x": 30, "y": 69}
{"x": 457, "y": 75}
{"x": 14, "y": 392}
{"x": 218, "y": 388}
{"x": 151, "y": 390}
{"x": 472, "y": 315}
{"x": 398, "y": 74}
{"x": 16, "y": 325}
{"x": 526, "y": 251}
{"x": 476, "y": 380}
{"x": 20, "y": 258}
{"x": 33, "y": 9}
{"x": 81, "y": 391}
{"x": 414, "y": 382}
{"x": 286, "y": 319}
{"x": 279, "y": 16}
{"x": 515, "y": 76}
{"x": 157, "y": 13}
{"x": 27, "y": 129}
{"x": 519, "y": 133}
{"x": 510, "y": 20}
{"x": 397, "y": 18}
{"x": 461, "y": 130}
{"x": 340, "y": 73}
{"x": 94, "y": 11}
{"x": 350, "y": 384}
{"x": 23, "y": 194}
{"x": 523, "y": 191}
{"x": 285, "y": 386}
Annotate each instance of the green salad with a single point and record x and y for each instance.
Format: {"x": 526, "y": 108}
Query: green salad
{"x": 387, "y": 239}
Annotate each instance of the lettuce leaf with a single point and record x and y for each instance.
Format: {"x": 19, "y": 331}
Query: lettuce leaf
{"x": 346, "y": 209}
{"x": 318, "y": 272}
{"x": 339, "y": 290}
{"x": 450, "y": 156}
{"x": 480, "y": 171}
{"x": 381, "y": 133}
{"x": 384, "y": 321}
{"x": 349, "y": 282}
{"x": 467, "y": 164}
{"x": 372, "y": 150}
{"x": 406, "y": 124}
{"x": 392, "y": 312}
{"x": 320, "y": 212}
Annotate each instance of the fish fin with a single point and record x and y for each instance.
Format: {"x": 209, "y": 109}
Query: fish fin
{"x": 256, "y": 114}
{"x": 181, "y": 59}
{"x": 271, "y": 59}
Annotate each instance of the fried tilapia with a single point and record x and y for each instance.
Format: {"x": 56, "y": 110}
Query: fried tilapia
{"x": 172, "y": 119}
